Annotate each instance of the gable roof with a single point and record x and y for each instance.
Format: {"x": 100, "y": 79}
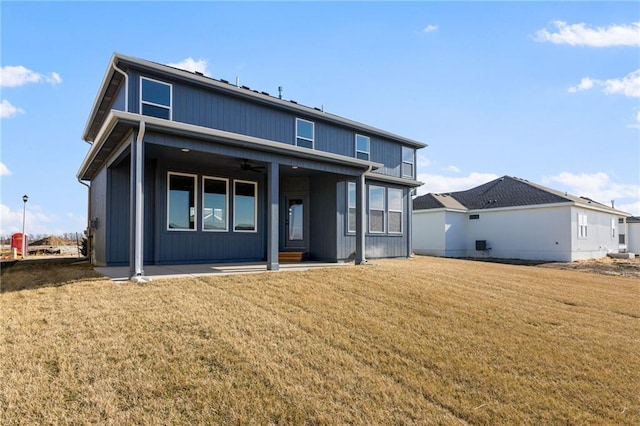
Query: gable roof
{"x": 506, "y": 191}
{"x": 120, "y": 63}
{"x": 437, "y": 201}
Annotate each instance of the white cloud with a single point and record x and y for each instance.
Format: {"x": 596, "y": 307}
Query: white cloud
{"x": 442, "y": 184}
{"x": 430, "y": 28}
{"x": 581, "y": 35}
{"x": 7, "y": 110}
{"x": 597, "y": 186}
{"x": 191, "y": 65}
{"x": 13, "y": 76}
{"x": 452, "y": 169}
{"x": 628, "y": 85}
{"x": 632, "y": 208}
{"x": 37, "y": 221}
{"x": 4, "y": 170}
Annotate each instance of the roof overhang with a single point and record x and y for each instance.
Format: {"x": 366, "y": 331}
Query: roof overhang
{"x": 118, "y": 123}
{"x": 113, "y": 79}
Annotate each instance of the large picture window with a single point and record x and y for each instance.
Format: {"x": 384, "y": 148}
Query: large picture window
{"x": 351, "y": 207}
{"x": 362, "y": 147}
{"x": 214, "y": 209}
{"x": 376, "y": 209}
{"x": 181, "y": 206}
{"x": 408, "y": 162}
{"x": 304, "y": 133}
{"x": 394, "y": 205}
{"x": 244, "y": 206}
{"x": 155, "y": 98}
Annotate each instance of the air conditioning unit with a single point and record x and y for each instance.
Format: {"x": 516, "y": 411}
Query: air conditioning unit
{"x": 481, "y": 245}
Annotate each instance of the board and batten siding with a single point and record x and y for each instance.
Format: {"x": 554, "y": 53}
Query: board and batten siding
{"x": 98, "y": 212}
{"x": 322, "y": 206}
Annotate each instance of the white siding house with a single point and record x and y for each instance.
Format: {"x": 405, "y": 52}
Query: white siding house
{"x": 511, "y": 218}
{"x": 632, "y": 237}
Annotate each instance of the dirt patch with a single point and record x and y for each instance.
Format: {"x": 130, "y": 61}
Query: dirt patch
{"x": 605, "y": 266}
{"x": 34, "y": 273}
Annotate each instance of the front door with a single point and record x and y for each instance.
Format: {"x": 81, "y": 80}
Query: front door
{"x": 296, "y": 229}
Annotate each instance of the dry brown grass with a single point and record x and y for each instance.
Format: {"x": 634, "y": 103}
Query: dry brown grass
{"x": 36, "y": 273}
{"x": 426, "y": 340}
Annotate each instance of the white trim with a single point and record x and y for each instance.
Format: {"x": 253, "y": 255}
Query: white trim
{"x": 355, "y": 189}
{"x": 412, "y": 162}
{"x": 170, "y": 107}
{"x": 368, "y": 146}
{"x": 401, "y": 211}
{"x": 384, "y": 210}
{"x": 313, "y": 134}
{"x": 195, "y": 201}
{"x": 226, "y": 203}
{"x": 255, "y": 206}
{"x": 583, "y": 224}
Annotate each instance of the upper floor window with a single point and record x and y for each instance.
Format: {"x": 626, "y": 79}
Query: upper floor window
{"x": 362, "y": 147}
{"x": 181, "y": 206}
{"x": 394, "y": 205}
{"x": 155, "y": 98}
{"x": 304, "y": 133}
{"x": 214, "y": 209}
{"x": 582, "y": 225}
{"x": 408, "y": 162}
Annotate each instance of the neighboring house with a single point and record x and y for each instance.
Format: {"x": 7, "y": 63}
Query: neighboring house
{"x": 184, "y": 168}
{"x": 512, "y": 218}
{"x": 632, "y": 236}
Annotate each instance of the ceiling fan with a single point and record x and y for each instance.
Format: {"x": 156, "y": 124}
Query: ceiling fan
{"x": 248, "y": 167}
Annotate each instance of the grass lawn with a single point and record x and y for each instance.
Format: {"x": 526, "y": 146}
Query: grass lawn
{"x": 425, "y": 340}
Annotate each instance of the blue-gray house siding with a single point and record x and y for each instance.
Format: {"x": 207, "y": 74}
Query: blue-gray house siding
{"x": 215, "y": 131}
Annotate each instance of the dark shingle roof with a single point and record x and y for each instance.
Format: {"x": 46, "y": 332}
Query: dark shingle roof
{"x": 436, "y": 201}
{"x": 506, "y": 191}
{"x": 633, "y": 219}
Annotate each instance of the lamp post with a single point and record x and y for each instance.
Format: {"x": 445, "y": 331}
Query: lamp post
{"x": 25, "y": 198}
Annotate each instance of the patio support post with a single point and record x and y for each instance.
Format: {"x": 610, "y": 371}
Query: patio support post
{"x": 360, "y": 220}
{"x": 409, "y": 221}
{"x": 137, "y": 207}
{"x": 273, "y": 194}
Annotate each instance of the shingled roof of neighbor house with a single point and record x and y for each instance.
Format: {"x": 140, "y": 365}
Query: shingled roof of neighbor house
{"x": 506, "y": 191}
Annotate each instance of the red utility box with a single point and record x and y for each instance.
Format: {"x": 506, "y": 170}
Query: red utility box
{"x": 16, "y": 242}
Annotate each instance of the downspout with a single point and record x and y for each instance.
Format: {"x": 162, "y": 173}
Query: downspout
{"x": 138, "y": 272}
{"x": 126, "y": 84}
{"x": 360, "y": 223}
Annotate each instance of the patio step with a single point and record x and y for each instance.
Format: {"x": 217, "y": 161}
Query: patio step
{"x": 290, "y": 256}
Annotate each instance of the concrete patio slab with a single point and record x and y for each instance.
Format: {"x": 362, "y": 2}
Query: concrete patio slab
{"x": 154, "y": 272}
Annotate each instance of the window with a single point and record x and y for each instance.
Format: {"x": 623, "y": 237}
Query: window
{"x": 304, "y": 133}
{"x": 362, "y": 147}
{"x": 376, "y": 209}
{"x": 181, "y": 206}
{"x": 394, "y": 204}
{"x": 155, "y": 98}
{"x": 244, "y": 206}
{"x": 408, "y": 161}
{"x": 214, "y": 204}
{"x": 613, "y": 227}
{"x": 474, "y": 216}
{"x": 621, "y": 239}
{"x": 351, "y": 207}
{"x": 582, "y": 225}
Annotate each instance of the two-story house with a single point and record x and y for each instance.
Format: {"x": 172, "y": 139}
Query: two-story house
{"x": 184, "y": 168}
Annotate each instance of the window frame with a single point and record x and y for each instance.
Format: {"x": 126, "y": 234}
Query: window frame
{"x": 401, "y": 211}
{"x": 583, "y": 229}
{"x": 226, "y": 203}
{"x": 255, "y": 206}
{"x": 358, "y": 151}
{"x": 411, "y": 163}
{"x": 313, "y": 133}
{"x": 143, "y": 102}
{"x": 349, "y": 207}
{"x": 383, "y": 210}
{"x": 195, "y": 202}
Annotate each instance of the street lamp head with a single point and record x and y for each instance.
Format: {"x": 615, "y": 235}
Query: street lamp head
{"x": 25, "y": 198}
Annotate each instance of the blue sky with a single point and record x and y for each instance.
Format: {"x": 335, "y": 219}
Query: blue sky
{"x": 548, "y": 92}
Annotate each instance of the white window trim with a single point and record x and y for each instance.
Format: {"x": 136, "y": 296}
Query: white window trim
{"x": 384, "y": 210}
{"x": 413, "y": 163}
{"x": 255, "y": 206}
{"x": 389, "y": 209}
{"x": 581, "y": 225}
{"x": 226, "y": 206}
{"x": 313, "y": 133}
{"x": 349, "y": 231}
{"x": 359, "y": 151}
{"x": 195, "y": 201}
{"x": 170, "y": 107}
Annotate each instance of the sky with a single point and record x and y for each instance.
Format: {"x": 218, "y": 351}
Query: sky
{"x": 544, "y": 91}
